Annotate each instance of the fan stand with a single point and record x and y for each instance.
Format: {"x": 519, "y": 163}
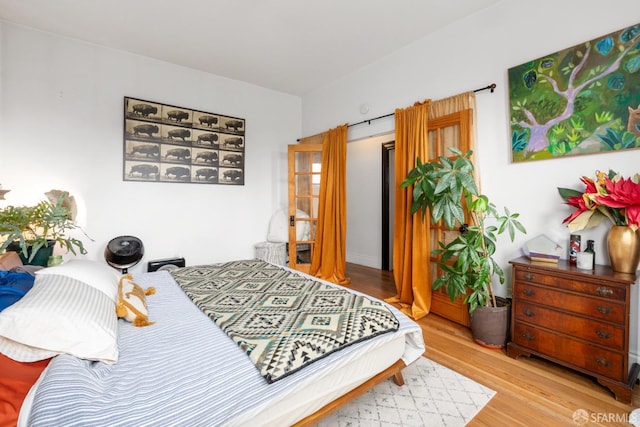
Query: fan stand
{"x": 123, "y": 269}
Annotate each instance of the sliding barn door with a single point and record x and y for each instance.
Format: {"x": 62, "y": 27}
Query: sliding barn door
{"x": 453, "y": 130}
{"x": 305, "y": 162}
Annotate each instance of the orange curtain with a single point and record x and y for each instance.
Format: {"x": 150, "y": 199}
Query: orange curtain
{"x": 411, "y": 247}
{"x": 329, "y": 254}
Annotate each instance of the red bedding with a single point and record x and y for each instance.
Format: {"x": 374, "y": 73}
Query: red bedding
{"x": 16, "y": 378}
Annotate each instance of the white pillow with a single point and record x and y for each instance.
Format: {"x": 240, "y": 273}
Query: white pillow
{"x": 60, "y": 315}
{"x": 93, "y": 273}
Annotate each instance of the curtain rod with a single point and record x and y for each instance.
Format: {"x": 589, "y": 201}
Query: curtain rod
{"x": 491, "y": 87}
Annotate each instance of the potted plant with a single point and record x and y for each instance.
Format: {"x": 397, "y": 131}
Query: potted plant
{"x": 33, "y": 231}
{"x": 447, "y": 188}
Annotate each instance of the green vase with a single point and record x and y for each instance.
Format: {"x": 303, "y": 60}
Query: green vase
{"x": 623, "y": 244}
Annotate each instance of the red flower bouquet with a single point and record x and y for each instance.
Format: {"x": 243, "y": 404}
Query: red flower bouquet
{"x": 607, "y": 197}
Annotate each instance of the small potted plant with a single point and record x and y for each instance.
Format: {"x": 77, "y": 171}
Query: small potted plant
{"x": 33, "y": 231}
{"x": 447, "y": 188}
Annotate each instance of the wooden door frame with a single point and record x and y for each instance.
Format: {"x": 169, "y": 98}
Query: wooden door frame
{"x": 292, "y": 208}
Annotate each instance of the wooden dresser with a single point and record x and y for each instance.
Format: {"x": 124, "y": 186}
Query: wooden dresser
{"x": 576, "y": 318}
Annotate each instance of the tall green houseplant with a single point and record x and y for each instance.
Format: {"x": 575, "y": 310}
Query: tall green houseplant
{"x": 447, "y": 189}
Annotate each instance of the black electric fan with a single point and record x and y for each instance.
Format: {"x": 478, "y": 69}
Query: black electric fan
{"x": 124, "y": 252}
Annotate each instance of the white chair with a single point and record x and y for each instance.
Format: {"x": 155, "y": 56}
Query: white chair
{"x": 276, "y": 248}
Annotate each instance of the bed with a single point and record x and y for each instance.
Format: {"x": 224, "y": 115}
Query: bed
{"x": 184, "y": 370}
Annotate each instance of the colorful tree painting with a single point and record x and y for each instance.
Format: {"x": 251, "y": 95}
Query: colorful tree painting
{"x": 581, "y": 100}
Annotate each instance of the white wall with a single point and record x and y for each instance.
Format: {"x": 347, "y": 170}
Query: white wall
{"x": 464, "y": 56}
{"x": 61, "y": 126}
{"x": 364, "y": 200}
{"x": 471, "y": 54}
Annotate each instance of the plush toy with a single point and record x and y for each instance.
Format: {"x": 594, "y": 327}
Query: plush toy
{"x": 132, "y": 304}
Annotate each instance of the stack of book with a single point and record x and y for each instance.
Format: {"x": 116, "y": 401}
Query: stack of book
{"x": 543, "y": 249}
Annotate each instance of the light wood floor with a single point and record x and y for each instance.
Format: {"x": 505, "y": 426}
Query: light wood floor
{"x": 530, "y": 391}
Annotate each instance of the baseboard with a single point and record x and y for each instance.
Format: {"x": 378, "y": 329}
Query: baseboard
{"x": 366, "y": 260}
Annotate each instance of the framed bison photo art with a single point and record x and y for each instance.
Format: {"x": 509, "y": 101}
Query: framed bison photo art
{"x": 164, "y": 143}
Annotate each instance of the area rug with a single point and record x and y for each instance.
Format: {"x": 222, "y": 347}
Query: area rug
{"x": 433, "y": 395}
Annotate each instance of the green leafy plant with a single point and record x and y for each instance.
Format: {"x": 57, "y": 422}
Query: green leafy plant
{"x": 616, "y": 140}
{"x": 46, "y": 223}
{"x": 561, "y": 147}
{"x": 574, "y": 136}
{"x": 518, "y": 141}
{"x": 577, "y": 123}
{"x": 558, "y": 130}
{"x": 603, "y": 117}
{"x": 447, "y": 189}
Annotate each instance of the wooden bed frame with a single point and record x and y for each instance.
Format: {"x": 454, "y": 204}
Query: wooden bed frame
{"x": 394, "y": 371}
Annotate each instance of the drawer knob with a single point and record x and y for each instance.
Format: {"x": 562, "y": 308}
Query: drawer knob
{"x": 603, "y": 334}
{"x": 602, "y": 362}
{"x": 528, "y": 292}
{"x": 605, "y": 292}
{"x": 527, "y": 336}
{"x": 603, "y": 309}
{"x": 529, "y": 276}
{"x": 529, "y": 313}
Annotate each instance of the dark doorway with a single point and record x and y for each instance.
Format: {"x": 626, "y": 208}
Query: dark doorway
{"x": 388, "y": 203}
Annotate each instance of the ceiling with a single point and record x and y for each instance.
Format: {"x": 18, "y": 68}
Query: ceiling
{"x": 291, "y": 46}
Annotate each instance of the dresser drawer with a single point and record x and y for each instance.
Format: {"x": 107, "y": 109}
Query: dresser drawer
{"x": 575, "y": 352}
{"x": 588, "y": 306}
{"x": 617, "y": 293}
{"x": 601, "y": 333}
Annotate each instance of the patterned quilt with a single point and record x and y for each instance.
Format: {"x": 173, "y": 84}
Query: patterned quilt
{"x": 281, "y": 319}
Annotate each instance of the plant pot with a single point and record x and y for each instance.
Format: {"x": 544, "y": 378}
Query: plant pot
{"x": 623, "y": 244}
{"x": 490, "y": 325}
{"x": 41, "y": 257}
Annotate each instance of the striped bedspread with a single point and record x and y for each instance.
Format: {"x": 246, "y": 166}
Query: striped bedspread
{"x": 181, "y": 371}
{"x": 282, "y": 320}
